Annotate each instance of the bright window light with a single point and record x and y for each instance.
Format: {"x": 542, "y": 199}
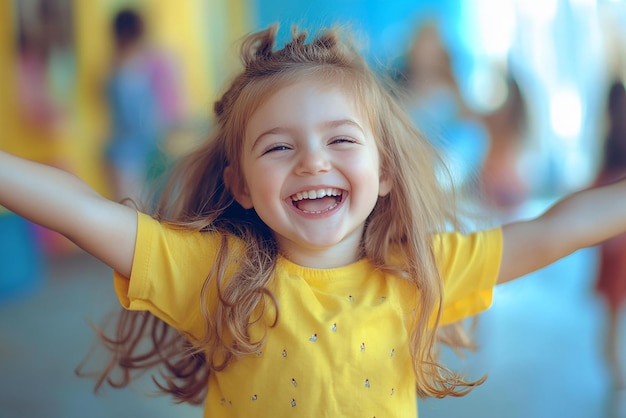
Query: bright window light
{"x": 495, "y": 24}
{"x": 538, "y": 10}
{"x": 566, "y": 113}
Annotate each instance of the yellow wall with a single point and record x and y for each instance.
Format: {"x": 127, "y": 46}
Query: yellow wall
{"x": 6, "y": 80}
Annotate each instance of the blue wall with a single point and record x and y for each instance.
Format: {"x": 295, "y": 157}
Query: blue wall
{"x": 21, "y": 259}
{"x": 388, "y": 25}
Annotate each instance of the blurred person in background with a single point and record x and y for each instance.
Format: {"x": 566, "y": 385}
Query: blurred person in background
{"x": 36, "y": 104}
{"x": 611, "y": 283}
{"x": 44, "y": 68}
{"x": 143, "y": 94}
{"x": 45, "y": 71}
{"x": 438, "y": 109}
{"x": 502, "y": 187}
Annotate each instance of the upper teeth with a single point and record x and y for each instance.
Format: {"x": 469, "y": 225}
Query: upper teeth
{"x": 315, "y": 194}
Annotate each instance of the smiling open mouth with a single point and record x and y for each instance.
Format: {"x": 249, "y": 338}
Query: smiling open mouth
{"x": 317, "y": 201}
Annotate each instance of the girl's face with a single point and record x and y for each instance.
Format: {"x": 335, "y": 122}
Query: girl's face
{"x": 312, "y": 172}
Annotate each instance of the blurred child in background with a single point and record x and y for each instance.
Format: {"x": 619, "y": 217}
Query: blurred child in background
{"x": 503, "y": 188}
{"x": 437, "y": 107}
{"x": 143, "y": 94}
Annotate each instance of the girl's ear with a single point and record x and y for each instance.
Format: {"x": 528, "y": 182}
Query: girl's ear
{"x": 384, "y": 183}
{"x": 237, "y": 188}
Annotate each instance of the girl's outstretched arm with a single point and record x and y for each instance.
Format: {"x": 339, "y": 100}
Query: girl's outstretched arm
{"x": 62, "y": 202}
{"x": 580, "y": 220}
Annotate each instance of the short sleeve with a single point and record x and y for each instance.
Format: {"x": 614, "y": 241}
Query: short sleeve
{"x": 469, "y": 265}
{"x": 169, "y": 269}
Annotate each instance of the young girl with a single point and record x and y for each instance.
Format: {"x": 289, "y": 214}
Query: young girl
{"x": 302, "y": 261}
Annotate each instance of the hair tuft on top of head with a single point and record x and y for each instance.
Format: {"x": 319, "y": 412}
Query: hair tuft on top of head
{"x": 260, "y": 58}
{"x": 259, "y": 46}
{"x": 326, "y": 41}
{"x": 298, "y": 37}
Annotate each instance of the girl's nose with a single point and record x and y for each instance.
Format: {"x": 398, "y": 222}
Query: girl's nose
{"x": 312, "y": 160}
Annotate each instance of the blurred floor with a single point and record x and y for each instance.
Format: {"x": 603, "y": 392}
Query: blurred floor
{"x": 540, "y": 345}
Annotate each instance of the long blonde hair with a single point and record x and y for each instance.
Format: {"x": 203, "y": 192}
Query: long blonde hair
{"x": 401, "y": 226}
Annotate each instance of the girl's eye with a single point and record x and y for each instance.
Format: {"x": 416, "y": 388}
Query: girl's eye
{"x": 342, "y": 139}
{"x": 279, "y": 147}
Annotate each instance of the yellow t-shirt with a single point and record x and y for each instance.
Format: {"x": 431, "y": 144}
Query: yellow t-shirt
{"x": 340, "y": 345}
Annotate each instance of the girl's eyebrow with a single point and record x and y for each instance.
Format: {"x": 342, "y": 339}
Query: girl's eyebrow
{"x": 337, "y": 123}
{"x": 331, "y": 124}
{"x": 274, "y": 131}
